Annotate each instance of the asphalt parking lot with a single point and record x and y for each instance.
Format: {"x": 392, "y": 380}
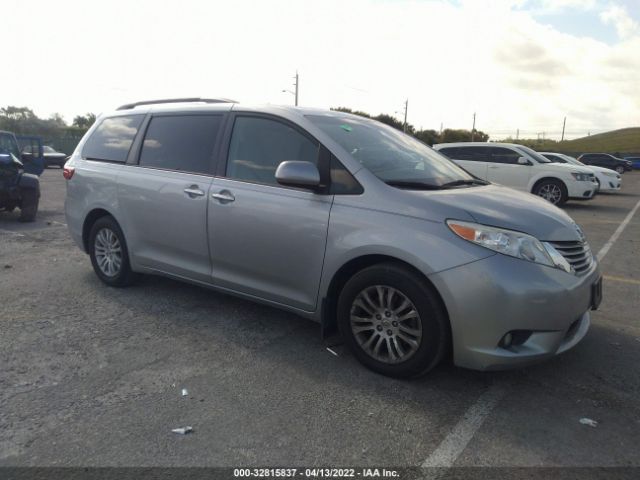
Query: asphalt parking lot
{"x": 92, "y": 376}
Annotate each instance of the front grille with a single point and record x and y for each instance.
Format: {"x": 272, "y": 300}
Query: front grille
{"x": 578, "y": 254}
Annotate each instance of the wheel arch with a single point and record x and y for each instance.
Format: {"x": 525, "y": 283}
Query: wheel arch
{"x": 328, "y": 317}
{"x": 91, "y": 218}
{"x": 538, "y": 181}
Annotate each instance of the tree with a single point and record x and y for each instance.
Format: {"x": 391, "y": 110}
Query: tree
{"x": 428, "y": 136}
{"x": 84, "y": 121}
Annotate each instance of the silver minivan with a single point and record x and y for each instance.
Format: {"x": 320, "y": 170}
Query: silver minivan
{"x": 339, "y": 219}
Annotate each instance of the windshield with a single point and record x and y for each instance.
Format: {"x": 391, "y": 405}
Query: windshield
{"x": 8, "y": 145}
{"x": 532, "y": 153}
{"x": 389, "y": 154}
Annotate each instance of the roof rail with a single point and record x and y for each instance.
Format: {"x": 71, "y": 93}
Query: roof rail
{"x": 129, "y": 106}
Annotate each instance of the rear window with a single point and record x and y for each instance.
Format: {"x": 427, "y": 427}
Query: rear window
{"x": 112, "y": 139}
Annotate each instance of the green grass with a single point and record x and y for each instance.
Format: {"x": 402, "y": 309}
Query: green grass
{"x": 625, "y": 140}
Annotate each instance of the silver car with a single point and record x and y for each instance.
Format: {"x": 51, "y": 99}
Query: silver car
{"x": 339, "y": 219}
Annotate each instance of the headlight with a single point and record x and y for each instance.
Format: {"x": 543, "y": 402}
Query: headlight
{"x": 582, "y": 177}
{"x": 509, "y": 242}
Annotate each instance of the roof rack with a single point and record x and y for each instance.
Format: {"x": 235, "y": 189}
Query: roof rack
{"x": 129, "y": 106}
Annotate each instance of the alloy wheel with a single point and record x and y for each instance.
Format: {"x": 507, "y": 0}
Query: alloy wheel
{"x": 550, "y": 192}
{"x": 108, "y": 252}
{"x": 386, "y": 324}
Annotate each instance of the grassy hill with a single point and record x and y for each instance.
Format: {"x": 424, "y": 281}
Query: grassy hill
{"x": 625, "y": 140}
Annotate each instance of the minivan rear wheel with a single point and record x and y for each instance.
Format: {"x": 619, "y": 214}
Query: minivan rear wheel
{"x": 553, "y": 191}
{"x": 392, "y": 321}
{"x": 108, "y": 252}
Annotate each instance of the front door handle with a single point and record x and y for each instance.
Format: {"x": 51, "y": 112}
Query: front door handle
{"x": 224, "y": 196}
{"x": 193, "y": 191}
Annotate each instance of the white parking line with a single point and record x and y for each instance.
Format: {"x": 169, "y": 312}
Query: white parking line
{"x": 605, "y": 248}
{"x": 459, "y": 437}
{"x": 11, "y": 233}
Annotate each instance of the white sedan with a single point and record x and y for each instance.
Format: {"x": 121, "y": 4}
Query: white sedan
{"x": 607, "y": 179}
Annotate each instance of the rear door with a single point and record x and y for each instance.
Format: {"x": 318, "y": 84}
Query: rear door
{"x": 267, "y": 240}
{"x": 472, "y": 158}
{"x": 505, "y": 169}
{"x": 163, "y": 196}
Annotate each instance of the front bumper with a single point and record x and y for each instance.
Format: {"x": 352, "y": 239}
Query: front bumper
{"x": 582, "y": 190}
{"x": 489, "y": 298}
{"x": 610, "y": 184}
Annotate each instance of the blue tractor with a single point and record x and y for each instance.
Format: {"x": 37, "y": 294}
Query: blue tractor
{"x": 19, "y": 183}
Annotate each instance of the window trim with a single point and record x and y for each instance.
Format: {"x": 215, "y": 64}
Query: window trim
{"x": 136, "y": 149}
{"x": 131, "y": 147}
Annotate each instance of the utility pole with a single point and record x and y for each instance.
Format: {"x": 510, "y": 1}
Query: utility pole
{"x": 517, "y": 133}
{"x": 564, "y": 123}
{"x": 406, "y": 107}
{"x": 473, "y": 129}
{"x": 440, "y": 128}
{"x": 295, "y": 92}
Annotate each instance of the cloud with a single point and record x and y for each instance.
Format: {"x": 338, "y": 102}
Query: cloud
{"x": 618, "y": 17}
{"x": 559, "y": 5}
{"x": 494, "y": 57}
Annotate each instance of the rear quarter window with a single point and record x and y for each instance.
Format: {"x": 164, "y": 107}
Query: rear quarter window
{"x": 112, "y": 139}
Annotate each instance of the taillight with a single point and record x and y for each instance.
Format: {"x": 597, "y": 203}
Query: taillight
{"x": 68, "y": 172}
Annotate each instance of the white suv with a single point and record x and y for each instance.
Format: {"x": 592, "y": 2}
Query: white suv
{"x": 522, "y": 168}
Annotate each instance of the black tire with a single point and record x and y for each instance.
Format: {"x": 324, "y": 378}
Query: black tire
{"x": 620, "y": 169}
{"x": 433, "y": 320}
{"x": 124, "y": 275}
{"x": 543, "y": 186}
{"x": 29, "y": 205}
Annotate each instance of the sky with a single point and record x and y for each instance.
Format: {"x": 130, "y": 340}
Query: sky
{"x": 519, "y": 65}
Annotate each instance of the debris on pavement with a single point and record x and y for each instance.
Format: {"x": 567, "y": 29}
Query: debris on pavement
{"x": 8, "y": 266}
{"x": 183, "y": 430}
{"x": 184, "y": 392}
{"x": 332, "y": 351}
{"x": 589, "y": 422}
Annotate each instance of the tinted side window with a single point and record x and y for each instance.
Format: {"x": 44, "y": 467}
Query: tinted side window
{"x": 181, "y": 142}
{"x": 474, "y": 154}
{"x": 504, "y": 155}
{"x": 259, "y": 145}
{"x": 450, "y": 152}
{"x": 342, "y": 182}
{"x": 112, "y": 139}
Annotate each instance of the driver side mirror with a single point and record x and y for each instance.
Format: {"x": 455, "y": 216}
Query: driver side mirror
{"x": 293, "y": 173}
{"x": 523, "y": 161}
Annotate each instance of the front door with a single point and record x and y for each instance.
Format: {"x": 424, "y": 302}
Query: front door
{"x": 505, "y": 169}
{"x": 267, "y": 240}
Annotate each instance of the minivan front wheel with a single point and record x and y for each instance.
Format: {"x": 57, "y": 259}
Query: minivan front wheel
{"x": 552, "y": 190}
{"x": 108, "y": 252}
{"x": 392, "y": 321}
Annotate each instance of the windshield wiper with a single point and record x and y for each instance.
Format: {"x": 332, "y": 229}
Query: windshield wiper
{"x": 412, "y": 185}
{"x": 458, "y": 183}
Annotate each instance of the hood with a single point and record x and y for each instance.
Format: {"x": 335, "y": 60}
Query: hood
{"x": 567, "y": 167}
{"x": 503, "y": 207}
{"x": 604, "y": 170}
